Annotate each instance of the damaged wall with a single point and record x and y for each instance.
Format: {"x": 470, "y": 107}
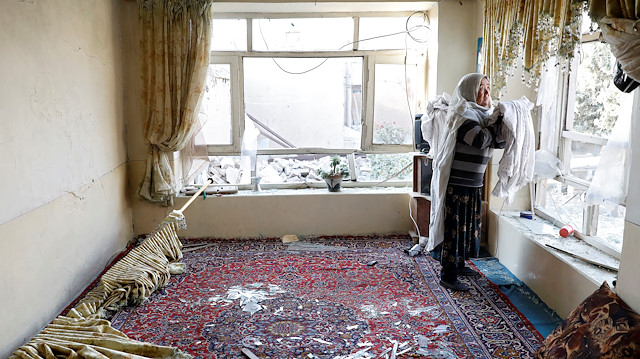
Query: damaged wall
{"x": 65, "y": 210}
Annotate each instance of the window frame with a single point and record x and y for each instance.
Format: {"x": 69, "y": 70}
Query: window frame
{"x": 370, "y": 59}
{"x": 567, "y": 83}
{"x": 237, "y": 127}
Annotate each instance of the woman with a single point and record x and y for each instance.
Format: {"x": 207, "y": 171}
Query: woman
{"x": 459, "y": 166}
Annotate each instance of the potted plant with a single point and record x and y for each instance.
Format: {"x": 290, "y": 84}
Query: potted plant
{"x": 336, "y": 172}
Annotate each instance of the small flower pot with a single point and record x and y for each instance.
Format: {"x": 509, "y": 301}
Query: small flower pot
{"x": 333, "y": 183}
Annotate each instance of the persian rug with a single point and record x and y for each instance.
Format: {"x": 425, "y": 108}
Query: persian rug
{"x": 325, "y": 297}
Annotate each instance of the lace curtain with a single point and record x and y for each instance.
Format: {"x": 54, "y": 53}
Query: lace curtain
{"x": 533, "y": 29}
{"x": 195, "y": 154}
{"x": 176, "y": 42}
{"x": 620, "y": 24}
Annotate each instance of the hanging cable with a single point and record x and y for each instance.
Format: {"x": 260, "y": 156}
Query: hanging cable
{"x": 413, "y": 220}
{"x": 425, "y": 19}
{"x": 408, "y": 31}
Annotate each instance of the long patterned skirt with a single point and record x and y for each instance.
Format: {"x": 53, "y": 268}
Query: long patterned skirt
{"x": 461, "y": 229}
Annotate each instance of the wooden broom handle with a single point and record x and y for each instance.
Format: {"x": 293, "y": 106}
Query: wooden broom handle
{"x": 195, "y": 195}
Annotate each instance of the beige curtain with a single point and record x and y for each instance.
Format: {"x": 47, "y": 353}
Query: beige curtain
{"x": 620, "y": 24}
{"x": 74, "y": 336}
{"x": 176, "y": 42}
{"x": 533, "y": 29}
{"x": 84, "y": 333}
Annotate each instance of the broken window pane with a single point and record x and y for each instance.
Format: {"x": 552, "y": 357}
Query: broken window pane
{"x": 304, "y": 102}
{"x": 564, "y": 203}
{"x": 381, "y": 167}
{"x": 611, "y": 226}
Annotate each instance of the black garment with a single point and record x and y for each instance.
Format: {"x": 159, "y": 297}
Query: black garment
{"x": 461, "y": 229}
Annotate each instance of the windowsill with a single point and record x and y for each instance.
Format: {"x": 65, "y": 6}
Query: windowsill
{"x": 544, "y": 234}
{"x": 312, "y": 191}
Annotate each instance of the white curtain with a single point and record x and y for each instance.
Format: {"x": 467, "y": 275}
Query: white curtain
{"x": 195, "y": 154}
{"x": 547, "y": 102}
{"x": 620, "y": 25}
{"x": 611, "y": 180}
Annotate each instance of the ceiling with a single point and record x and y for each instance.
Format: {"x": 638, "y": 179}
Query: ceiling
{"x": 319, "y": 6}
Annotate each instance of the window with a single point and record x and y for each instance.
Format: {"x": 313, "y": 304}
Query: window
{"x": 286, "y": 91}
{"x": 304, "y": 108}
{"x": 592, "y": 143}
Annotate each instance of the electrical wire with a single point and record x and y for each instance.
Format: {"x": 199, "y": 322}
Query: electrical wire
{"x": 407, "y": 31}
{"x": 413, "y": 220}
{"x": 425, "y": 18}
{"x": 408, "y": 34}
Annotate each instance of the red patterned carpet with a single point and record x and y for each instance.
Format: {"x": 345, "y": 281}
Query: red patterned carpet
{"x": 321, "y": 299}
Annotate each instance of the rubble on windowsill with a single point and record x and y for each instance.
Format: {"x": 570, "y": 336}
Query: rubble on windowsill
{"x": 547, "y": 235}
{"x": 225, "y": 170}
{"x": 283, "y": 176}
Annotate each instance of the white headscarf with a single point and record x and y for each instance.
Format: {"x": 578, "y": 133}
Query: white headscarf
{"x": 463, "y": 100}
{"x": 462, "y": 106}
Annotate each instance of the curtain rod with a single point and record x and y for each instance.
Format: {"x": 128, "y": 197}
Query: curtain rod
{"x": 195, "y": 195}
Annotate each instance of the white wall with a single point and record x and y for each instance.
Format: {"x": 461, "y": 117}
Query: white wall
{"x": 628, "y": 288}
{"x": 65, "y": 210}
{"x": 459, "y": 27}
{"x": 275, "y": 215}
{"x": 560, "y": 285}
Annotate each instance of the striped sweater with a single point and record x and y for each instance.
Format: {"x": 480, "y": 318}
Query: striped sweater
{"x": 474, "y": 147}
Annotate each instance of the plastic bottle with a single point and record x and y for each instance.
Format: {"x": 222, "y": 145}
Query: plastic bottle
{"x": 566, "y": 231}
{"x": 414, "y": 251}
